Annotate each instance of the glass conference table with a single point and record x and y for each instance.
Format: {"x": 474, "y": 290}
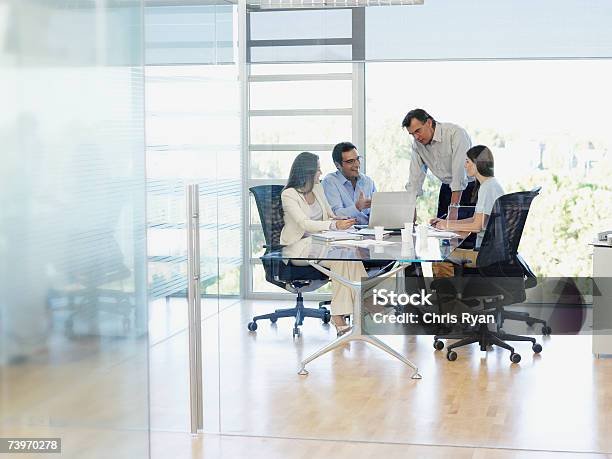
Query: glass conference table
{"x": 399, "y": 254}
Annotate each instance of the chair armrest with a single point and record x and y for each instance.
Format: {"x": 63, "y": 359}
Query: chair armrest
{"x": 530, "y": 277}
{"x": 459, "y": 262}
{"x": 525, "y": 266}
{"x": 273, "y": 247}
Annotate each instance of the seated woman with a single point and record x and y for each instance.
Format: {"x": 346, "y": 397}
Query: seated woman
{"x": 307, "y": 211}
{"x": 479, "y": 164}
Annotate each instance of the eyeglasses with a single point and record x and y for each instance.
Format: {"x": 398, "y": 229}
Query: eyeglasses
{"x": 352, "y": 161}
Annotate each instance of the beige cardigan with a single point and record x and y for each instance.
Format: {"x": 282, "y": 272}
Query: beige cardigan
{"x": 297, "y": 215}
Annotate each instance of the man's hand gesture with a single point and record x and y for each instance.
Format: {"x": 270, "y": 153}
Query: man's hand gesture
{"x": 363, "y": 202}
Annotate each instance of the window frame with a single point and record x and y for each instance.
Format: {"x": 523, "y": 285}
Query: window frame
{"x": 357, "y": 114}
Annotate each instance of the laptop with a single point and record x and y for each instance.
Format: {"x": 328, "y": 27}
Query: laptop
{"x": 392, "y": 209}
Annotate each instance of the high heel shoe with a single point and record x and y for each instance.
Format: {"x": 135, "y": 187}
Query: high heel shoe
{"x": 342, "y": 330}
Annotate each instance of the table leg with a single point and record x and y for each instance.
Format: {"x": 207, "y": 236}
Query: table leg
{"x": 356, "y": 333}
{"x": 324, "y": 350}
{"x": 389, "y": 350}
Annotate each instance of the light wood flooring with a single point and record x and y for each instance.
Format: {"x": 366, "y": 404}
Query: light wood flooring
{"x": 356, "y": 402}
{"x": 560, "y": 400}
{"x": 165, "y": 445}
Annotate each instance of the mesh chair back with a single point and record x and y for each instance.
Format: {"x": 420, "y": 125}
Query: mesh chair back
{"x": 270, "y": 209}
{"x": 504, "y": 229}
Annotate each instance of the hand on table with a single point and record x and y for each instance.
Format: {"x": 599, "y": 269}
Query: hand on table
{"x": 345, "y": 223}
{"x": 440, "y": 224}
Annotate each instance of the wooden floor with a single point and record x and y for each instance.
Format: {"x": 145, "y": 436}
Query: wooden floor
{"x": 356, "y": 402}
{"x": 165, "y": 445}
{"x": 559, "y": 401}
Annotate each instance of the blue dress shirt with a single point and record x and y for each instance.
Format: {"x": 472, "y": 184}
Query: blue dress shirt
{"x": 342, "y": 197}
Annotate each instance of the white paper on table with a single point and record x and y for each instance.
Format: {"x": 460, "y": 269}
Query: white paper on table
{"x": 335, "y": 235}
{"x": 364, "y": 243}
{"x": 368, "y": 231}
{"x": 442, "y": 234}
{"x": 439, "y": 233}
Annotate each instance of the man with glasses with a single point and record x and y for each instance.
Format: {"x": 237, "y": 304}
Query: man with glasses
{"x": 348, "y": 191}
{"x": 439, "y": 147}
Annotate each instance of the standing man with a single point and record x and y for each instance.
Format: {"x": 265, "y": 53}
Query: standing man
{"x": 348, "y": 191}
{"x": 439, "y": 147}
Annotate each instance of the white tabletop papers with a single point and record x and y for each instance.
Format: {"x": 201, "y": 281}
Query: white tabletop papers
{"x": 331, "y": 236}
{"x": 365, "y": 243}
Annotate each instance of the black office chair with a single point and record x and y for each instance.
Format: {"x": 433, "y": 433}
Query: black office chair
{"x": 95, "y": 285}
{"x": 295, "y": 279}
{"x": 530, "y": 281}
{"x": 499, "y": 279}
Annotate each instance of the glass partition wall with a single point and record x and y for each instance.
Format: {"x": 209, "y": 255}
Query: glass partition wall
{"x": 73, "y": 308}
{"x": 193, "y": 137}
{"x": 314, "y": 78}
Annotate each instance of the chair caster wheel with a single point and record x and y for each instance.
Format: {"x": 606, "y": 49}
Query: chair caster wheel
{"x": 326, "y": 318}
{"x": 438, "y": 345}
{"x": 537, "y": 348}
{"x": 515, "y": 358}
{"x": 296, "y": 332}
{"x": 451, "y": 356}
{"x": 546, "y": 330}
{"x": 252, "y": 326}
{"x": 273, "y": 319}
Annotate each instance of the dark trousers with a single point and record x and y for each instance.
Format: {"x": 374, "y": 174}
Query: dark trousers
{"x": 444, "y": 199}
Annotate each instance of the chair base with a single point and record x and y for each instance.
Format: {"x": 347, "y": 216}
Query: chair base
{"x": 484, "y": 337}
{"x": 524, "y": 317}
{"x": 87, "y": 304}
{"x": 299, "y": 312}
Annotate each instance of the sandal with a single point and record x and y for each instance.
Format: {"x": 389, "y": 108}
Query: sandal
{"x": 342, "y": 330}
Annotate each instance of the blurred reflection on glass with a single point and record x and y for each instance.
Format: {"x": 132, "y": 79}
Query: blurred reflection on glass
{"x": 73, "y": 324}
